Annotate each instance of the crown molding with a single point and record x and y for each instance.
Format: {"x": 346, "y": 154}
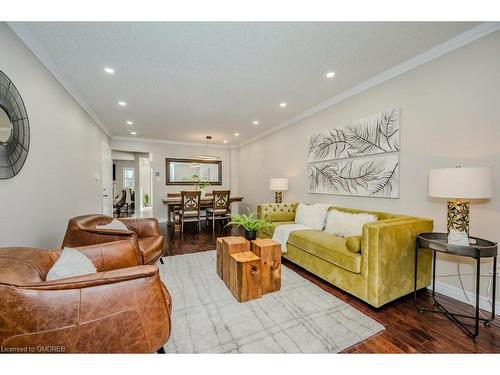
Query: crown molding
{"x": 431, "y": 54}
{"x": 164, "y": 141}
{"x": 36, "y": 49}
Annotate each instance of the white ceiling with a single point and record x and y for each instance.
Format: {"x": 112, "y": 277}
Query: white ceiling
{"x": 183, "y": 81}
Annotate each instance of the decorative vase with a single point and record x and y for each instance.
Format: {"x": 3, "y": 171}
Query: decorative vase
{"x": 250, "y": 235}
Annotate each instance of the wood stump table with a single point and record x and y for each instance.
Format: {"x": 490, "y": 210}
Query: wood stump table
{"x": 249, "y": 270}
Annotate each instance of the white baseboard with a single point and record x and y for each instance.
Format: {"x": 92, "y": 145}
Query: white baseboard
{"x": 458, "y": 294}
{"x": 162, "y": 220}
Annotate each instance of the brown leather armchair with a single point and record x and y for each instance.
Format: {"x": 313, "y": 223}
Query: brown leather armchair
{"x": 124, "y": 308}
{"x": 82, "y": 231}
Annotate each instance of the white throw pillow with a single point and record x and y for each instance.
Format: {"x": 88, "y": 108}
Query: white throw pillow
{"x": 313, "y": 216}
{"x": 303, "y": 214}
{"x": 71, "y": 263}
{"x": 320, "y": 210}
{"x": 114, "y": 224}
{"x": 345, "y": 224}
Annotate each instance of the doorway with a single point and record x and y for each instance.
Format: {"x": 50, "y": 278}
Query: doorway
{"x": 106, "y": 180}
{"x": 146, "y": 183}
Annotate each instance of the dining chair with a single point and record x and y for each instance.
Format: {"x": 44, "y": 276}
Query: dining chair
{"x": 119, "y": 202}
{"x": 220, "y": 207}
{"x": 190, "y": 208}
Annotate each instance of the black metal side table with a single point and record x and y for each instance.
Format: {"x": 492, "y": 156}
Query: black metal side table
{"x": 478, "y": 249}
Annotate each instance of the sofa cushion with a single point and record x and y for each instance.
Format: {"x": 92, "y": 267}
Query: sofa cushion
{"x": 270, "y": 230}
{"x": 328, "y": 247}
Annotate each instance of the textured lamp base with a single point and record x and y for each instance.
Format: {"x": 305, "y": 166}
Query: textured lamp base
{"x": 278, "y": 197}
{"x": 458, "y": 216}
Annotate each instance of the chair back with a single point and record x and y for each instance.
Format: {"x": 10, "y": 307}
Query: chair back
{"x": 221, "y": 199}
{"x": 120, "y": 200}
{"x": 128, "y": 195}
{"x": 190, "y": 200}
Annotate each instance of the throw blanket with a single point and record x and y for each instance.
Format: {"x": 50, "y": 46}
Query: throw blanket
{"x": 282, "y": 232}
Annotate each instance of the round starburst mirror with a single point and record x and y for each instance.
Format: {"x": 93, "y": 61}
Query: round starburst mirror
{"x": 14, "y": 129}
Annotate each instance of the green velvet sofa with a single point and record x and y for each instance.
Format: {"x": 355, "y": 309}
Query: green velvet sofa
{"x": 379, "y": 271}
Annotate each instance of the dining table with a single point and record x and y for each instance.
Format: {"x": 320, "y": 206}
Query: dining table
{"x": 173, "y": 203}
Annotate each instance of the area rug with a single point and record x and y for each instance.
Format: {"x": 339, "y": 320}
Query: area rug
{"x": 300, "y": 318}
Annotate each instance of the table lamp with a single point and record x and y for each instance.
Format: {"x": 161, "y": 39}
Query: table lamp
{"x": 278, "y": 185}
{"x": 460, "y": 184}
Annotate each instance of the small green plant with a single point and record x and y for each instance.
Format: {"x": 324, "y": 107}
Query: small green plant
{"x": 146, "y": 200}
{"x": 200, "y": 183}
{"x": 249, "y": 221}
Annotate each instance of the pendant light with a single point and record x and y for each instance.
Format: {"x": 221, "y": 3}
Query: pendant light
{"x": 206, "y": 156}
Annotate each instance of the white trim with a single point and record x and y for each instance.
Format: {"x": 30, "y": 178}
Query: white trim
{"x": 162, "y": 220}
{"x": 26, "y": 37}
{"x": 458, "y": 294}
{"x": 459, "y": 41}
{"x": 150, "y": 140}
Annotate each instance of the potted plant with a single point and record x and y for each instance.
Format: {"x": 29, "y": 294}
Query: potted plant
{"x": 146, "y": 200}
{"x": 250, "y": 223}
{"x": 200, "y": 183}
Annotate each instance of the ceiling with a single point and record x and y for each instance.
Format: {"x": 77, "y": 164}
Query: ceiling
{"x": 183, "y": 81}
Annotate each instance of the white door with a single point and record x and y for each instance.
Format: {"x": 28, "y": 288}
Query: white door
{"x": 107, "y": 184}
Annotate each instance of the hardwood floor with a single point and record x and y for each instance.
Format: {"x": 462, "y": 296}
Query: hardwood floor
{"x": 406, "y": 331}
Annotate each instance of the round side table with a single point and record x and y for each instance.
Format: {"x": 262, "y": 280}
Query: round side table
{"x": 477, "y": 249}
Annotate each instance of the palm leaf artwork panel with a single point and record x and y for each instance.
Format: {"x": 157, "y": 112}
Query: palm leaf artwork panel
{"x": 375, "y": 177}
{"x": 373, "y": 135}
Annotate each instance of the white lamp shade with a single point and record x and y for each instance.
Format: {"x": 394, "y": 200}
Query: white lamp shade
{"x": 461, "y": 183}
{"x": 278, "y": 184}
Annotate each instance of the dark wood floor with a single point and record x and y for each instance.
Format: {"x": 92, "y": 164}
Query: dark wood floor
{"x": 406, "y": 331}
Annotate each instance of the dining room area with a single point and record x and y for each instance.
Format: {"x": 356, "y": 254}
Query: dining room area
{"x": 200, "y": 209}
{"x": 200, "y": 199}
{"x": 194, "y": 189}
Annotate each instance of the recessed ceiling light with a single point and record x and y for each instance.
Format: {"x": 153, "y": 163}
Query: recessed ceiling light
{"x": 283, "y": 105}
{"x": 122, "y": 103}
{"x": 236, "y": 134}
{"x": 109, "y": 70}
{"x": 255, "y": 122}
{"x": 225, "y": 140}
{"x": 330, "y": 74}
{"x": 133, "y": 133}
{"x": 130, "y": 123}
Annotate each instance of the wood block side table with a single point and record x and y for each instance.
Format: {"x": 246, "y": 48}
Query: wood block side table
{"x": 245, "y": 276}
{"x": 249, "y": 270}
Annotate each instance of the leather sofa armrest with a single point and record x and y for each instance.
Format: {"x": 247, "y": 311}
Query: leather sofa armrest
{"x": 96, "y": 279}
{"x": 277, "y": 211}
{"x": 110, "y": 255}
{"x": 388, "y": 258}
{"x": 143, "y": 227}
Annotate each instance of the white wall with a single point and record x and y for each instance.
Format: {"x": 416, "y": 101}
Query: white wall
{"x": 57, "y": 181}
{"x": 450, "y": 115}
{"x": 162, "y": 150}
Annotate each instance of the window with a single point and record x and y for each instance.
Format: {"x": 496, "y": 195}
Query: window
{"x": 128, "y": 178}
